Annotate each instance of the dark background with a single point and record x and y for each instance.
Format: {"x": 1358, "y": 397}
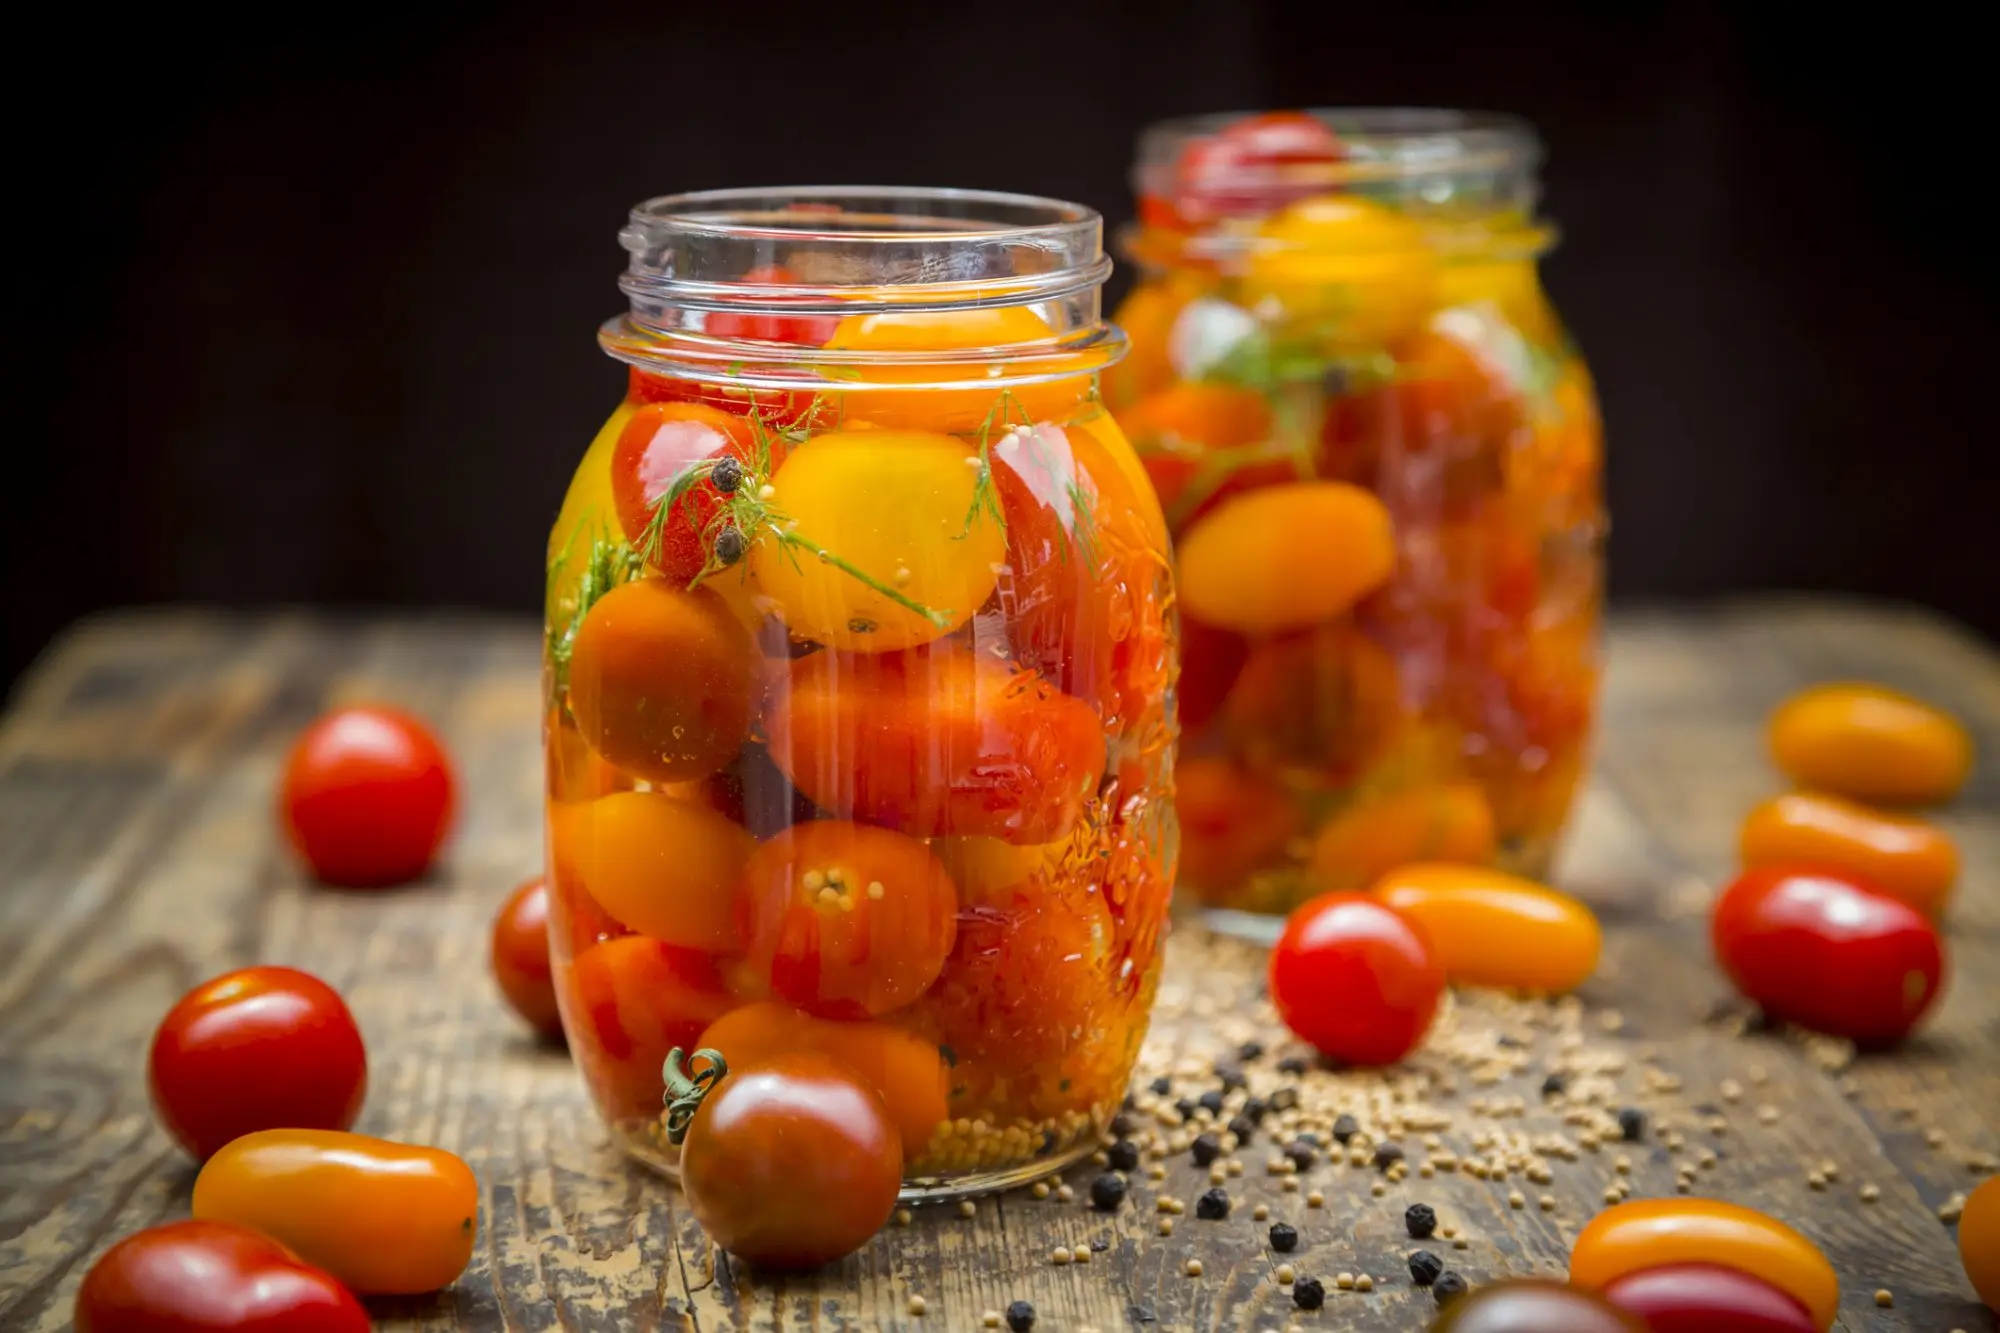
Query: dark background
{"x": 306, "y": 305}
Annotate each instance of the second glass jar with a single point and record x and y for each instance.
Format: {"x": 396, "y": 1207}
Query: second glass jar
{"x": 1379, "y": 455}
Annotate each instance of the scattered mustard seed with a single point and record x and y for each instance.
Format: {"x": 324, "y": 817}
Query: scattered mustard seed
{"x": 917, "y": 1307}
{"x": 1884, "y": 1297}
{"x": 1192, "y": 1268}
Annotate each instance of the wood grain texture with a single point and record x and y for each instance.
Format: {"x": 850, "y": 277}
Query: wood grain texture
{"x": 138, "y": 855}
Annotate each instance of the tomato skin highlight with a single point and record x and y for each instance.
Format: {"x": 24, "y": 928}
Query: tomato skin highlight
{"x": 1907, "y": 857}
{"x": 1652, "y": 1233}
{"x": 1534, "y": 1305}
{"x": 1780, "y": 932}
{"x": 1979, "y": 1241}
{"x": 384, "y": 1218}
{"x": 1489, "y": 928}
{"x": 791, "y": 1163}
{"x": 520, "y": 957}
{"x": 367, "y": 797}
{"x": 196, "y": 1276}
{"x": 258, "y": 1048}
{"x": 1707, "y": 1298}
{"x": 1871, "y": 744}
{"x": 1354, "y": 979}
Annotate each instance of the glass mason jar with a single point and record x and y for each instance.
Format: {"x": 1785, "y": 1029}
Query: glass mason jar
{"x": 860, "y": 653}
{"x": 1379, "y": 456}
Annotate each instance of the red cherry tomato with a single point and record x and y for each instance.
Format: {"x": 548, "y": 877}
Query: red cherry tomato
{"x": 1707, "y": 1298}
{"x": 1251, "y": 166}
{"x": 629, "y": 1001}
{"x": 1534, "y": 1305}
{"x": 206, "y": 1277}
{"x": 1783, "y": 934}
{"x": 777, "y": 409}
{"x": 1355, "y": 979}
{"x": 808, "y": 330}
{"x": 659, "y": 444}
{"x": 792, "y": 1163}
{"x": 521, "y": 958}
{"x": 367, "y": 797}
{"x": 262, "y": 1048}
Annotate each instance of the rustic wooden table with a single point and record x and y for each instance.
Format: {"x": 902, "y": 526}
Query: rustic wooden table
{"x": 137, "y": 856}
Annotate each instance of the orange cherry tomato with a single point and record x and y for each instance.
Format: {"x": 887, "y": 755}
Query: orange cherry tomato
{"x": 664, "y": 866}
{"x": 660, "y": 680}
{"x": 847, "y": 920}
{"x": 1871, "y": 744}
{"x": 367, "y": 797}
{"x": 626, "y": 1003}
{"x": 1283, "y": 557}
{"x": 520, "y": 958}
{"x": 906, "y": 1072}
{"x": 1652, "y": 1233}
{"x": 575, "y": 771}
{"x": 791, "y": 1163}
{"x": 1489, "y": 928}
{"x": 385, "y": 1218}
{"x": 1449, "y": 823}
{"x": 1233, "y": 824}
{"x": 1321, "y": 703}
{"x": 1979, "y": 1240}
{"x": 1908, "y": 857}
{"x": 938, "y": 742}
{"x": 913, "y": 405}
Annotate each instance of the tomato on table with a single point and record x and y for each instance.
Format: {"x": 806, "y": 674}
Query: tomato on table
{"x": 663, "y": 865}
{"x": 384, "y": 1218}
{"x": 1254, "y": 165}
{"x": 908, "y": 404}
{"x": 1654, "y": 1233}
{"x": 1979, "y": 1240}
{"x": 661, "y": 680}
{"x": 1707, "y": 1298}
{"x": 1910, "y": 858}
{"x": 1354, "y": 979}
{"x": 627, "y": 1002}
{"x": 1286, "y": 557}
{"x": 1780, "y": 932}
{"x": 660, "y": 447}
{"x": 1233, "y": 824}
{"x": 1322, "y": 702}
{"x": 367, "y": 797}
{"x": 258, "y": 1048}
{"x": 791, "y": 1162}
{"x": 196, "y": 1276}
{"x": 519, "y": 952}
{"x": 847, "y": 920}
{"x": 1535, "y": 1305}
{"x": 1489, "y": 928}
{"x": 1448, "y": 822}
{"x": 938, "y": 741}
{"x": 1870, "y": 743}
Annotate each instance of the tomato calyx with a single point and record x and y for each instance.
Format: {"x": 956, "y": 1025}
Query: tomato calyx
{"x": 689, "y": 1080}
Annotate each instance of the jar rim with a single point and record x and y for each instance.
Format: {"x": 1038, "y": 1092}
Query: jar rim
{"x": 1383, "y": 143}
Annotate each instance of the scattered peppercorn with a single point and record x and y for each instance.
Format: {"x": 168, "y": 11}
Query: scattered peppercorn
{"x": 1098, "y": 1245}
{"x": 1107, "y": 1191}
{"x": 1421, "y": 1220}
{"x": 1425, "y": 1267}
{"x": 1301, "y": 1154}
{"x": 1387, "y": 1155}
{"x": 1230, "y": 1077}
{"x": 1186, "y": 1106}
{"x": 1212, "y": 1206}
{"x": 1020, "y": 1317}
{"x": 1632, "y": 1124}
{"x": 1250, "y": 1050}
{"x": 1123, "y": 1124}
{"x": 1448, "y": 1288}
{"x": 1161, "y": 1087}
{"x": 1308, "y": 1293}
{"x": 1345, "y": 1127}
{"x": 1284, "y": 1099}
{"x": 1307, "y": 1137}
{"x": 1123, "y": 1155}
{"x": 1211, "y": 1101}
{"x": 1243, "y": 1128}
{"x": 1284, "y": 1237}
{"x": 1293, "y": 1064}
{"x": 729, "y": 546}
{"x": 1256, "y": 1108}
{"x": 1206, "y": 1149}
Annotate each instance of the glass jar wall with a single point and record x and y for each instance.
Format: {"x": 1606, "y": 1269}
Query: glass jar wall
{"x": 1379, "y": 456}
{"x": 860, "y": 652}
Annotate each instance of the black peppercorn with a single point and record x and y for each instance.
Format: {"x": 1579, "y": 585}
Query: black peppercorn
{"x": 1632, "y": 1124}
{"x": 1345, "y": 1127}
{"x": 1161, "y": 1087}
{"x": 1020, "y": 1317}
{"x": 1255, "y": 1109}
{"x": 729, "y": 546}
{"x": 1206, "y": 1149}
{"x": 1307, "y": 1137}
{"x": 1448, "y": 1288}
{"x": 726, "y": 475}
{"x": 1186, "y": 1107}
{"x": 1425, "y": 1267}
{"x": 1123, "y": 1124}
{"x": 1387, "y": 1155}
{"x": 1123, "y": 1155}
{"x": 1553, "y": 1084}
{"x": 1249, "y": 1050}
{"x": 1308, "y": 1293}
{"x": 1302, "y": 1155}
{"x": 1211, "y": 1102}
{"x": 1243, "y": 1127}
{"x": 1230, "y": 1077}
{"x": 1284, "y": 1099}
{"x": 1107, "y": 1191}
{"x": 1284, "y": 1237}
{"x": 1212, "y": 1206}
{"x": 1421, "y": 1221}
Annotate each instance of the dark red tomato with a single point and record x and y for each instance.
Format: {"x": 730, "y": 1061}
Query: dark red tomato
{"x": 367, "y": 797}
{"x": 262, "y": 1048}
{"x": 1534, "y": 1305}
{"x": 1211, "y": 659}
{"x": 660, "y": 443}
{"x": 1250, "y": 166}
{"x": 807, "y": 330}
{"x": 521, "y": 958}
{"x": 792, "y": 1162}
{"x": 1708, "y": 1298}
{"x": 1828, "y": 952}
{"x": 206, "y": 1277}
{"x": 1355, "y": 979}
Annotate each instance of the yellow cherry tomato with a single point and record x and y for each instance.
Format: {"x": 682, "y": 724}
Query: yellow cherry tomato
{"x": 1652, "y": 1233}
{"x": 1979, "y": 1241}
{"x": 919, "y": 407}
{"x": 1452, "y": 823}
{"x": 664, "y": 866}
{"x": 1357, "y": 270}
{"x": 1908, "y": 857}
{"x": 900, "y": 520}
{"x": 1285, "y": 556}
{"x": 1871, "y": 744}
{"x": 1489, "y": 928}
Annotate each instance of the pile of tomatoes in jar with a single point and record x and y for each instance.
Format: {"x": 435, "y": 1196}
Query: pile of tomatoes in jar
{"x": 859, "y": 738}
{"x": 1379, "y": 458}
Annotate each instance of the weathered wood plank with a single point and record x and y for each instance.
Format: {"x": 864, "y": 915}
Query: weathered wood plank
{"x": 137, "y": 854}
